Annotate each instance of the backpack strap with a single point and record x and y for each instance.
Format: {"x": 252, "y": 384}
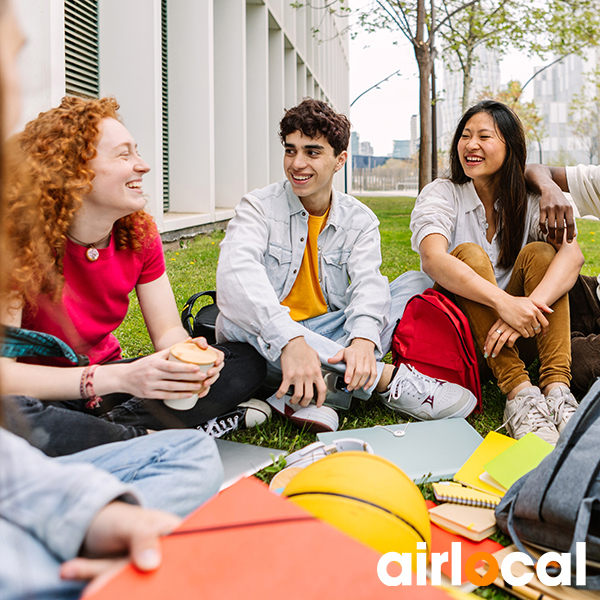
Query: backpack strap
{"x": 187, "y": 318}
{"x": 556, "y": 490}
{"x": 510, "y": 525}
{"x": 580, "y": 535}
{"x": 17, "y": 342}
{"x": 552, "y": 472}
{"x": 581, "y": 530}
{"x": 571, "y": 477}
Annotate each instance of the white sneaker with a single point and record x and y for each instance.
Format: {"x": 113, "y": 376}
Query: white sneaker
{"x": 528, "y": 412}
{"x": 313, "y": 418}
{"x": 246, "y": 414}
{"x": 256, "y": 412}
{"x": 426, "y": 398}
{"x": 562, "y": 405}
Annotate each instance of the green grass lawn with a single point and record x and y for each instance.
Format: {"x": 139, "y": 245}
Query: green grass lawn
{"x": 192, "y": 269}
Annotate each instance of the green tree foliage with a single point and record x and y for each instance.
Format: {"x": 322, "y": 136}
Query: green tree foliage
{"x": 418, "y": 23}
{"x": 538, "y": 27}
{"x": 484, "y": 23}
{"x": 533, "y": 123}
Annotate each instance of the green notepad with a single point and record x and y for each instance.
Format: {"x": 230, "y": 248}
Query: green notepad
{"x": 493, "y": 445}
{"x": 518, "y": 460}
{"x": 428, "y": 450}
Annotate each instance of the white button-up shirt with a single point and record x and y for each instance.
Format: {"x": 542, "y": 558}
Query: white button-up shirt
{"x": 456, "y": 212}
{"x": 584, "y": 186}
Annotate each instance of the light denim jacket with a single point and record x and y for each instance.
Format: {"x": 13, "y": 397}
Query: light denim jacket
{"x": 262, "y": 252}
{"x": 54, "y": 502}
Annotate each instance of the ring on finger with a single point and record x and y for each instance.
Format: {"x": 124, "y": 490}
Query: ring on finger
{"x": 537, "y": 328}
{"x": 498, "y": 332}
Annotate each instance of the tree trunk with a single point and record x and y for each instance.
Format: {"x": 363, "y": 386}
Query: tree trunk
{"x": 468, "y": 64}
{"x": 431, "y": 44}
{"x": 467, "y": 82}
{"x": 423, "y": 56}
{"x": 425, "y": 117}
{"x": 434, "y": 145}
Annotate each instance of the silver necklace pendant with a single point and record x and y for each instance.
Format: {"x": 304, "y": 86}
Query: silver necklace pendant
{"x": 92, "y": 254}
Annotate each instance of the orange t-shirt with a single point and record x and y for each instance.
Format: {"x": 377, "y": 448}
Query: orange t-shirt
{"x": 306, "y": 299}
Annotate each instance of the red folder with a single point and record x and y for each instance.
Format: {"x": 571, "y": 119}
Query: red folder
{"x": 441, "y": 541}
{"x": 248, "y": 543}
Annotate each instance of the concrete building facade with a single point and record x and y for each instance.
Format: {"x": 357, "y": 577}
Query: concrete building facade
{"x": 401, "y": 149}
{"x": 202, "y": 86}
{"x": 553, "y": 91}
{"x": 366, "y": 149}
{"x": 415, "y": 134}
{"x": 354, "y": 143}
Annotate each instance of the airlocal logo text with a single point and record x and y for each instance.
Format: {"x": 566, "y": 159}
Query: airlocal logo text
{"x": 563, "y": 559}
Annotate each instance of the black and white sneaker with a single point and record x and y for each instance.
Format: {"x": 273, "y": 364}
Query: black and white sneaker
{"x": 245, "y": 415}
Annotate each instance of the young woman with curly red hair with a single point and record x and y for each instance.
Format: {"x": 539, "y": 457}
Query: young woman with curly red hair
{"x": 82, "y": 242}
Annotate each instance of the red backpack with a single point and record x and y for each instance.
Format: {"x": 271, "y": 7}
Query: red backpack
{"x": 434, "y": 337}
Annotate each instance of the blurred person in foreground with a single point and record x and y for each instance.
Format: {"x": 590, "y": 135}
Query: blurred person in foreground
{"x": 65, "y": 523}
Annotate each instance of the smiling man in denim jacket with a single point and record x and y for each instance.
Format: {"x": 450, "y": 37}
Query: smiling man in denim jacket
{"x": 299, "y": 279}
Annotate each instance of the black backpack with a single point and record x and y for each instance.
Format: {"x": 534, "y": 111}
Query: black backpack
{"x": 203, "y": 322}
{"x": 558, "y": 503}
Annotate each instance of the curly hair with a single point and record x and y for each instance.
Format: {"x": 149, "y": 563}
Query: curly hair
{"x": 315, "y": 118}
{"x": 48, "y": 178}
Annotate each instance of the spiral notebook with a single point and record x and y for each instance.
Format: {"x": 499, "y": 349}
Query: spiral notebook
{"x": 473, "y": 522}
{"x": 447, "y": 491}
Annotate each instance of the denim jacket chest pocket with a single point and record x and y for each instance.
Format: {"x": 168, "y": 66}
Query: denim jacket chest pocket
{"x": 278, "y": 261}
{"x": 334, "y": 276}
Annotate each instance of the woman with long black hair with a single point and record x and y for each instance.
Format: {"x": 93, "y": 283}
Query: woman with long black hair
{"x": 479, "y": 237}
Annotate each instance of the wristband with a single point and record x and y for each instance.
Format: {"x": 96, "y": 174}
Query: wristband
{"x": 86, "y": 387}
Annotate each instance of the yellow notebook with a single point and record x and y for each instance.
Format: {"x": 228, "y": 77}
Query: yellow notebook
{"x": 493, "y": 445}
{"x": 447, "y": 491}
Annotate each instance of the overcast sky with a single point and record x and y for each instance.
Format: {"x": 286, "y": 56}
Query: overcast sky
{"x": 383, "y": 115}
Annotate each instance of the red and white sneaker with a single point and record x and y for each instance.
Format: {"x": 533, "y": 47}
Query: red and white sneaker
{"x": 426, "y": 398}
{"x": 313, "y": 418}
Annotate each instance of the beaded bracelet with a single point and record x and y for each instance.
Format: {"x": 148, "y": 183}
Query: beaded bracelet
{"x": 86, "y": 387}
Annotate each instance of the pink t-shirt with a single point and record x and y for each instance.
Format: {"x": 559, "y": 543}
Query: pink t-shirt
{"x": 95, "y": 299}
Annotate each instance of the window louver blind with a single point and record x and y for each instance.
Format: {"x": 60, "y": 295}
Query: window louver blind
{"x": 165, "y": 107}
{"x": 81, "y": 48}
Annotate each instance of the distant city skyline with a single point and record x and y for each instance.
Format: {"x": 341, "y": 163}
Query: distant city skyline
{"x": 383, "y": 115}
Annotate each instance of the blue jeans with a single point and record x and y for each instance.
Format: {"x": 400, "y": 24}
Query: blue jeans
{"x": 327, "y": 336}
{"x": 176, "y": 471}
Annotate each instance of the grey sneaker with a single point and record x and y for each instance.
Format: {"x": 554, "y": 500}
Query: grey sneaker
{"x": 562, "y": 405}
{"x": 426, "y": 398}
{"x": 528, "y": 412}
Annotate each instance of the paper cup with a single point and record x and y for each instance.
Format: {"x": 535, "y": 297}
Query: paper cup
{"x": 189, "y": 352}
